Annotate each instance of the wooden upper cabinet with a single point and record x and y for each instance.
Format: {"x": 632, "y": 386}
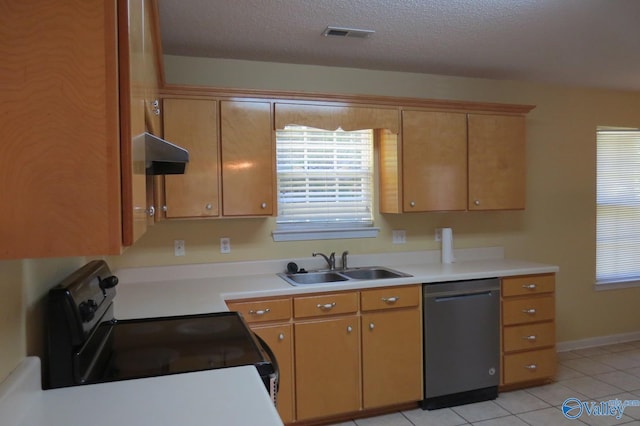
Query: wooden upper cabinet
{"x": 248, "y": 159}
{"x": 59, "y": 156}
{"x": 332, "y": 117}
{"x": 434, "y": 161}
{"x": 192, "y": 124}
{"x": 448, "y": 161}
{"x": 136, "y": 57}
{"x": 497, "y": 165}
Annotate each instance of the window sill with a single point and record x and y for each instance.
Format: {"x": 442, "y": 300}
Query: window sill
{"x": 324, "y": 234}
{"x": 616, "y": 285}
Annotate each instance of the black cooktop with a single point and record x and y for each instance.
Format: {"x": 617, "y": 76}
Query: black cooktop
{"x": 159, "y": 346}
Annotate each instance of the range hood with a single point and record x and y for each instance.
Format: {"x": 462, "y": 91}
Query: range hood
{"x": 162, "y": 157}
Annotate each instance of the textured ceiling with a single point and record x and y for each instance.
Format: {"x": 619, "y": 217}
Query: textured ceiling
{"x": 593, "y": 43}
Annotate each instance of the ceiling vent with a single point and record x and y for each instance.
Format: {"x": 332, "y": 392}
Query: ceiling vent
{"x": 347, "y": 32}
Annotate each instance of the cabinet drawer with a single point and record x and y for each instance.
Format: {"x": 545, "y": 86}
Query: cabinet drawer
{"x": 263, "y": 310}
{"x": 531, "y": 284}
{"x": 325, "y": 304}
{"x": 389, "y": 298}
{"x": 528, "y": 366}
{"x": 531, "y": 309}
{"x": 529, "y": 336}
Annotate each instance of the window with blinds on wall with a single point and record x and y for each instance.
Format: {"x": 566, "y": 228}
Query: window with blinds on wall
{"x": 325, "y": 178}
{"x": 618, "y": 206}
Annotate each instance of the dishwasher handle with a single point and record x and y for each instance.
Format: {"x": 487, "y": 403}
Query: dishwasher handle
{"x": 453, "y": 297}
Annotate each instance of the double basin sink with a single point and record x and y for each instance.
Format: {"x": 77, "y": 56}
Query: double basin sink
{"x": 350, "y": 274}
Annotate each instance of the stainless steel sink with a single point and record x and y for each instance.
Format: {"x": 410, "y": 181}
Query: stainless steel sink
{"x": 314, "y": 277}
{"x": 350, "y": 274}
{"x": 372, "y": 273}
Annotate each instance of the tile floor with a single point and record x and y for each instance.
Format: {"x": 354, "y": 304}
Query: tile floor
{"x": 595, "y": 374}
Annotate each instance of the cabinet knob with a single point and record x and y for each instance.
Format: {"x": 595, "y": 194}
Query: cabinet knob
{"x": 529, "y": 286}
{"x": 260, "y": 312}
{"x": 151, "y": 211}
{"x": 164, "y": 208}
{"x": 281, "y": 336}
{"x": 156, "y": 107}
{"x": 531, "y": 367}
{"x": 349, "y": 329}
{"x": 208, "y": 206}
{"x": 476, "y": 202}
{"x": 263, "y": 205}
{"x": 412, "y": 203}
{"x": 529, "y": 311}
{"x": 371, "y": 326}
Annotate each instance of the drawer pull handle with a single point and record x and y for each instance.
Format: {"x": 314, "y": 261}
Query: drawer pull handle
{"x": 390, "y": 300}
{"x": 531, "y": 338}
{"x": 531, "y": 367}
{"x": 260, "y": 312}
{"x": 326, "y": 306}
{"x": 530, "y": 286}
{"x": 529, "y": 311}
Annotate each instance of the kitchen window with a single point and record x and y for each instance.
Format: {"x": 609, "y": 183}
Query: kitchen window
{"x": 325, "y": 184}
{"x": 618, "y": 207}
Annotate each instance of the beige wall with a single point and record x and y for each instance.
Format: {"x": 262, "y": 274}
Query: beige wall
{"x": 557, "y": 227}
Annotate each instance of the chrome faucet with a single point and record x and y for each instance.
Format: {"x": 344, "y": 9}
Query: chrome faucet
{"x": 331, "y": 260}
{"x": 344, "y": 259}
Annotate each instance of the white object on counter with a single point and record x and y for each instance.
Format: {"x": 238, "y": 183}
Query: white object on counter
{"x": 228, "y": 396}
{"x": 447, "y": 245}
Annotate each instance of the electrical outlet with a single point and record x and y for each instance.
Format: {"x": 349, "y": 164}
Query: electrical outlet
{"x": 399, "y": 236}
{"x": 178, "y": 248}
{"x": 438, "y": 234}
{"x": 225, "y": 245}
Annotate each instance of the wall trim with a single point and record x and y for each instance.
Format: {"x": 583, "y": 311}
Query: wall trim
{"x": 597, "y": 341}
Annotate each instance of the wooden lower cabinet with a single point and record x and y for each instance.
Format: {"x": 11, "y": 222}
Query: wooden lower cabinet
{"x": 391, "y": 357}
{"x": 327, "y": 367}
{"x": 528, "y": 330}
{"x": 279, "y": 337}
{"x": 343, "y": 352}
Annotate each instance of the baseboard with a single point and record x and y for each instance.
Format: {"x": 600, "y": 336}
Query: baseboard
{"x": 597, "y": 341}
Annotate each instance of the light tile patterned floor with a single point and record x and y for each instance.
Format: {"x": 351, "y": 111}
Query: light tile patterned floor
{"x": 594, "y": 374}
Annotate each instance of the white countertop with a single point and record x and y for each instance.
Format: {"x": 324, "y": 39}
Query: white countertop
{"x": 233, "y": 396}
{"x": 230, "y": 397}
{"x": 194, "y": 289}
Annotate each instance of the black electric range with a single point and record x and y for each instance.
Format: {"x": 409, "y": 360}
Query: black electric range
{"x": 86, "y": 344}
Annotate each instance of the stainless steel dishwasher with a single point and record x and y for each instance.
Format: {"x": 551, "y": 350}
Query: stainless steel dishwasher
{"x": 461, "y": 342}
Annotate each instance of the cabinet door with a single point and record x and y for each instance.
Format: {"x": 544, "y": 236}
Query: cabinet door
{"x": 497, "y": 169}
{"x": 434, "y": 161}
{"x": 280, "y": 340}
{"x": 59, "y": 155}
{"x": 192, "y": 124}
{"x": 391, "y": 360}
{"x": 248, "y": 159}
{"x": 327, "y": 367}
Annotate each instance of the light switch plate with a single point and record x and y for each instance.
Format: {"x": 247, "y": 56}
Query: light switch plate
{"x": 178, "y": 248}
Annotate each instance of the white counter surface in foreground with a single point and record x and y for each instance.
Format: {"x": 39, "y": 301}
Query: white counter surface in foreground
{"x": 230, "y": 397}
{"x": 194, "y": 289}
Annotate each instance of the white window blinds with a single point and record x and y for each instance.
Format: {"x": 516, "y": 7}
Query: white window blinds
{"x": 325, "y": 178}
{"x": 618, "y": 206}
